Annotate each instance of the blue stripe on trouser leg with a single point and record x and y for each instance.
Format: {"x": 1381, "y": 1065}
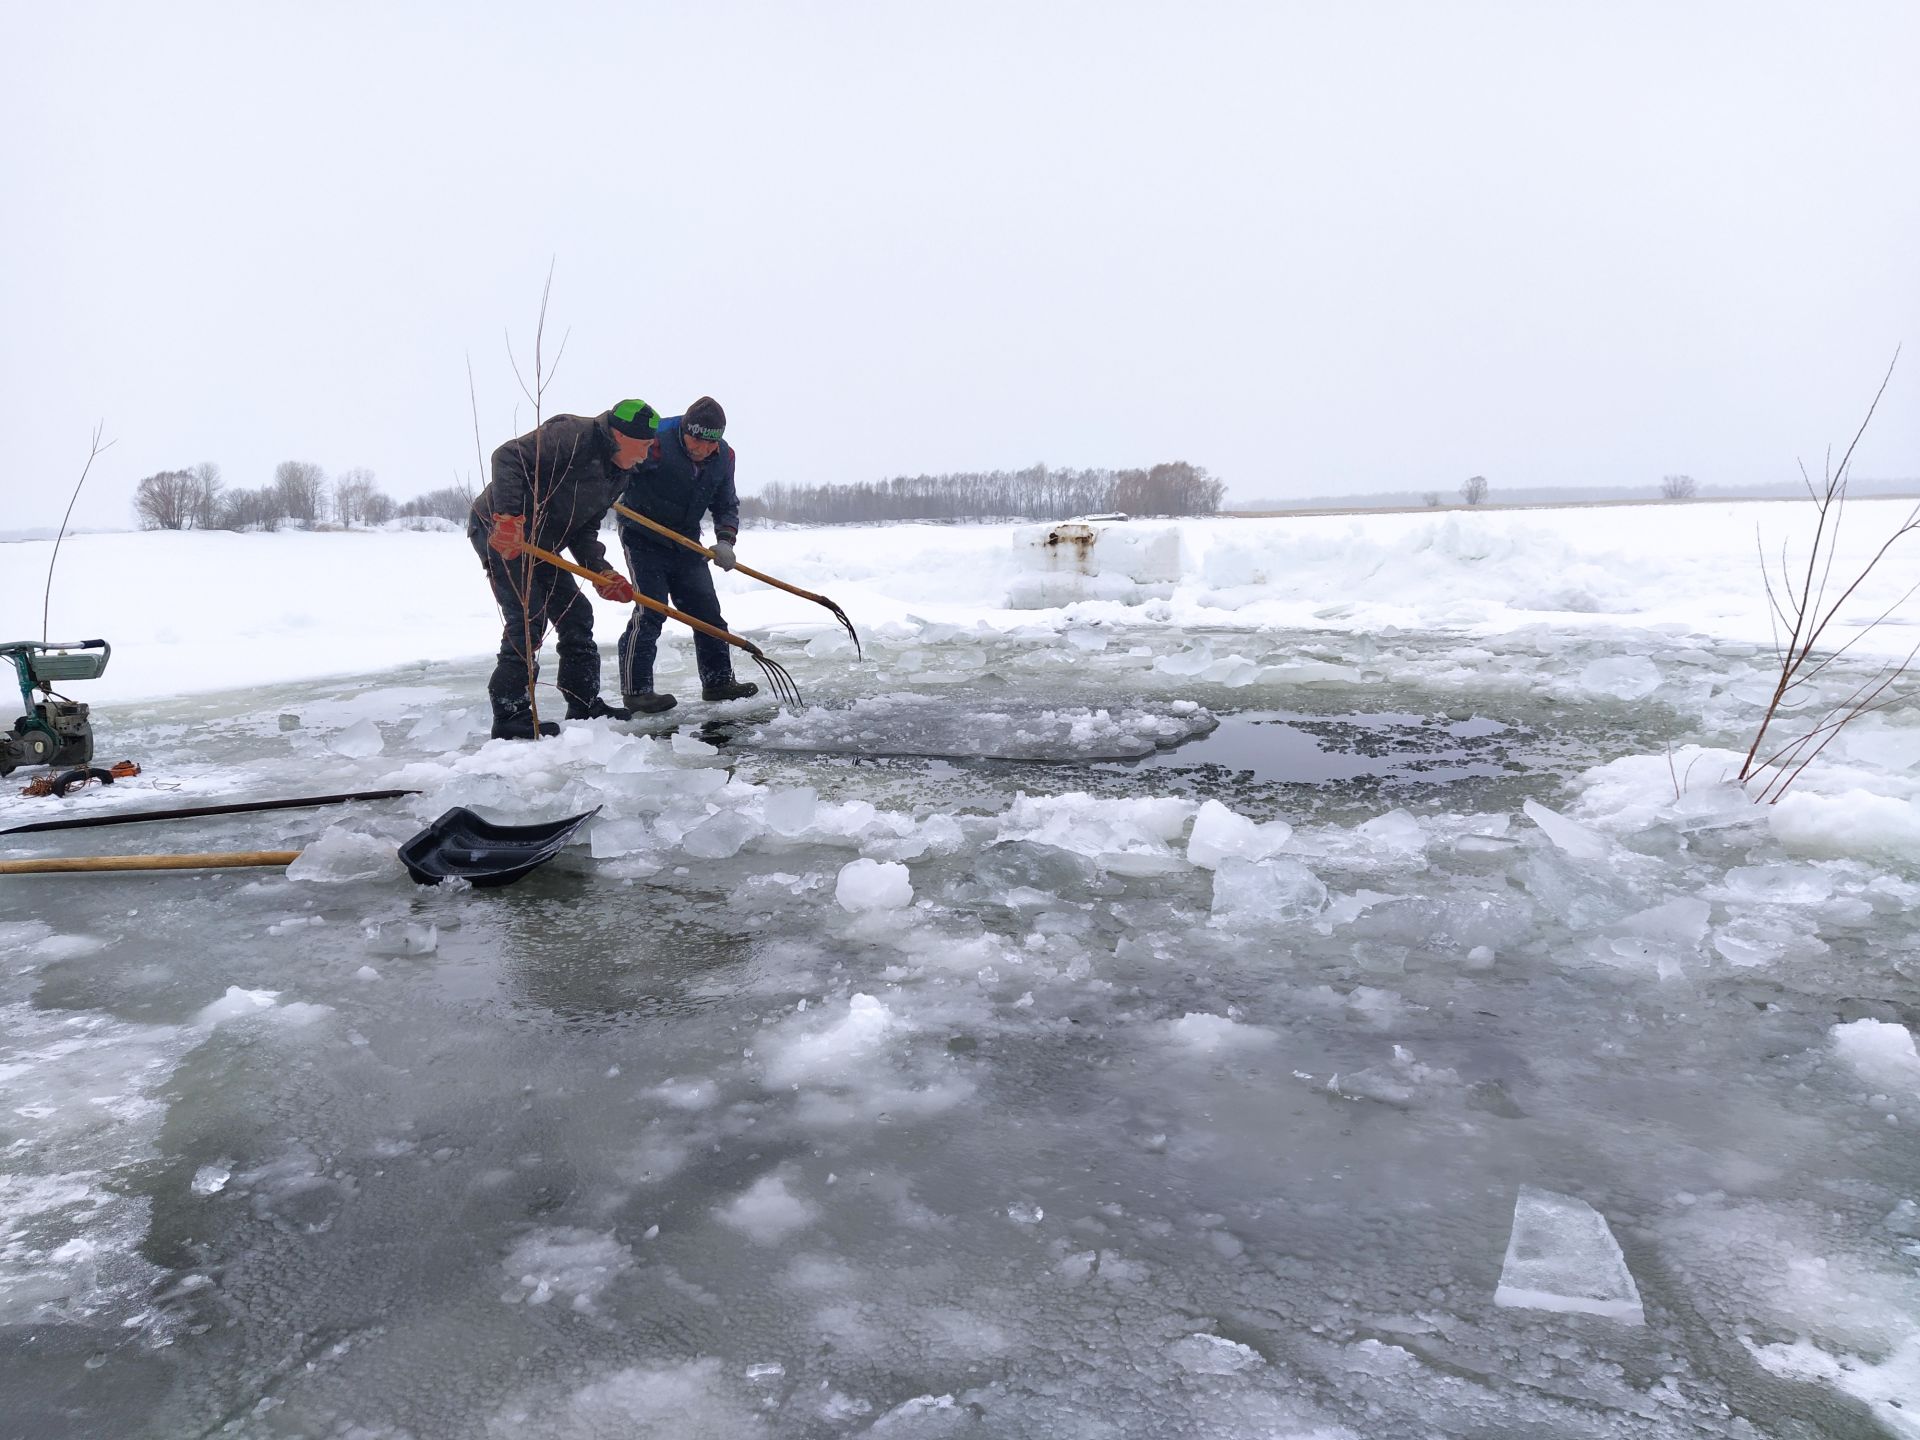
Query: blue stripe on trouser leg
{"x": 680, "y": 578}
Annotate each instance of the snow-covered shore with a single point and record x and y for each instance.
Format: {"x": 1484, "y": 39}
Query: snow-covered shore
{"x": 196, "y": 611}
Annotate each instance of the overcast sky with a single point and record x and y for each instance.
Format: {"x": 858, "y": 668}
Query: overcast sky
{"x": 1317, "y": 248}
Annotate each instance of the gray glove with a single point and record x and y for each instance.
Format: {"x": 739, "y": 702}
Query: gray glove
{"x": 723, "y": 554}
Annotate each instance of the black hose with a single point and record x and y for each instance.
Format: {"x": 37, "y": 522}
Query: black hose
{"x": 85, "y": 822}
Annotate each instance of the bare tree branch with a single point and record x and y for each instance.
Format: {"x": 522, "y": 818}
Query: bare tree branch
{"x": 1801, "y": 604}
{"x": 93, "y": 453}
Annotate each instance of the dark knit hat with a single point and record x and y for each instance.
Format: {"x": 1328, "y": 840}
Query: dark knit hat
{"x": 705, "y": 420}
{"x": 634, "y": 418}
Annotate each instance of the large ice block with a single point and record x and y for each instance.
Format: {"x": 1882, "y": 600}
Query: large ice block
{"x": 1561, "y": 1256}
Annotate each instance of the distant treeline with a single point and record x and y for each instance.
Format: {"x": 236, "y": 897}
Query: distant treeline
{"x": 301, "y": 495}
{"x": 1037, "y": 493}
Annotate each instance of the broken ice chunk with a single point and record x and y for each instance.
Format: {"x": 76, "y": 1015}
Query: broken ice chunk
{"x": 1779, "y": 884}
{"x": 791, "y": 811}
{"x": 1570, "y": 835}
{"x": 611, "y": 839}
{"x": 1220, "y": 833}
{"x": 873, "y": 885}
{"x": 1561, "y": 1256}
{"x": 1882, "y": 1052}
{"x": 340, "y": 855}
{"x": 1624, "y": 677}
{"x": 719, "y": 836}
{"x": 1265, "y": 892}
{"x": 358, "y": 741}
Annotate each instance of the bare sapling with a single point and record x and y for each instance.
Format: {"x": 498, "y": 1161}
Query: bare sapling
{"x": 1802, "y": 612}
{"x": 539, "y": 484}
{"x": 46, "y": 595}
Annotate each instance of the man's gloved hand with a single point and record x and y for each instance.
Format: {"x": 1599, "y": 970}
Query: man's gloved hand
{"x": 723, "y": 554}
{"x": 615, "y": 587}
{"x": 509, "y": 535}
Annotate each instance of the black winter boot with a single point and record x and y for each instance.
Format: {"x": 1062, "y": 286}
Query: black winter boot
{"x": 728, "y": 689}
{"x": 520, "y": 727}
{"x": 596, "y": 709}
{"x": 647, "y": 702}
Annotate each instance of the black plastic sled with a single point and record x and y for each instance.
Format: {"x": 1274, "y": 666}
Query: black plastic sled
{"x": 460, "y": 845}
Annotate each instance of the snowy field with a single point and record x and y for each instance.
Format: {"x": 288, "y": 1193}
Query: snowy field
{"x": 1309, "y": 979}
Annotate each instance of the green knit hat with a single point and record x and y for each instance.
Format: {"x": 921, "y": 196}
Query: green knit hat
{"x": 634, "y": 418}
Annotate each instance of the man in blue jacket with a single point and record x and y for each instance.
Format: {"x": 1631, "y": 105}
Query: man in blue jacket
{"x": 688, "y": 473}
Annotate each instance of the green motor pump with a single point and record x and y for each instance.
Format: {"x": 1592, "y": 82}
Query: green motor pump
{"x": 55, "y": 730}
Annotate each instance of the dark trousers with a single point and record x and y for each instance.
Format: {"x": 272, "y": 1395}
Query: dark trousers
{"x": 676, "y": 575}
{"x": 530, "y": 599}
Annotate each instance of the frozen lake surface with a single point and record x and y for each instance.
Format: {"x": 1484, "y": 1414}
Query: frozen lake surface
{"x": 1118, "y": 1032}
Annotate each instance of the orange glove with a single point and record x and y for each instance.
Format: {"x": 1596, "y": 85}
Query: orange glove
{"x": 615, "y": 587}
{"x": 509, "y": 535}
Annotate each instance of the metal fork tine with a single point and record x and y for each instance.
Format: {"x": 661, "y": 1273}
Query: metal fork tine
{"x": 779, "y": 681}
{"x": 841, "y": 616}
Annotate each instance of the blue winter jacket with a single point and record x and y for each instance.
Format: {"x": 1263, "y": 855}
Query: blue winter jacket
{"x": 667, "y": 487}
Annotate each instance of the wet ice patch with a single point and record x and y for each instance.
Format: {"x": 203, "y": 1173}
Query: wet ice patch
{"x": 1403, "y": 1082}
{"x": 768, "y": 1211}
{"x": 563, "y": 1263}
{"x": 65, "y": 947}
{"x": 1887, "y": 1388}
{"x": 858, "y": 1066}
{"x": 236, "y": 1004}
{"x": 16, "y": 935}
{"x": 401, "y": 937}
{"x": 1562, "y": 1256}
{"x": 687, "y": 1094}
{"x": 691, "y": 1400}
{"x": 930, "y": 725}
{"x": 296, "y": 1193}
{"x": 1202, "y": 1034}
{"x": 832, "y": 1050}
{"x": 80, "y": 1097}
{"x": 1205, "y": 1354}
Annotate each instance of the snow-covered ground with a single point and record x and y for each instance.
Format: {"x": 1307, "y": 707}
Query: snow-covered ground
{"x": 192, "y": 611}
{"x": 1289, "y": 978}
